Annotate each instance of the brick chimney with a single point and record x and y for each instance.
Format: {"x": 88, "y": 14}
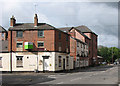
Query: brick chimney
{"x": 35, "y": 20}
{"x": 12, "y": 21}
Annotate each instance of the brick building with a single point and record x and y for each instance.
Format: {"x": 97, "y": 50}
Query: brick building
{"x": 38, "y": 46}
{"x": 42, "y": 47}
{"x": 3, "y": 34}
{"x": 85, "y": 55}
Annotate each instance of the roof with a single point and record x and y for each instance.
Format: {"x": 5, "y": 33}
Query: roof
{"x": 65, "y": 29}
{"x": 2, "y": 29}
{"x": 30, "y": 26}
{"x": 83, "y": 29}
{"x": 4, "y": 45}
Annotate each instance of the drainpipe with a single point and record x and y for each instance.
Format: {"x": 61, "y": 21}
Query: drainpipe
{"x": 11, "y": 52}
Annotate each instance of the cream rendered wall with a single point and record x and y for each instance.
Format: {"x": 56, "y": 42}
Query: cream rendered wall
{"x": 63, "y": 56}
{"x": 29, "y": 64}
{"x": 51, "y": 60}
{"x": 34, "y": 61}
{"x": 5, "y": 61}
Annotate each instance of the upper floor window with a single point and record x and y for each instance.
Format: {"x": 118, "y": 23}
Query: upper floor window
{"x": 19, "y": 44}
{"x": 2, "y": 34}
{"x": 59, "y": 35}
{"x": 19, "y": 34}
{"x": 40, "y": 33}
{"x": 40, "y": 44}
{"x": 66, "y": 37}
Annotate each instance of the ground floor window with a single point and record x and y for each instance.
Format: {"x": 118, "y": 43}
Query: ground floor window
{"x": 60, "y": 63}
{"x": 0, "y": 62}
{"x": 19, "y": 61}
{"x": 67, "y": 59}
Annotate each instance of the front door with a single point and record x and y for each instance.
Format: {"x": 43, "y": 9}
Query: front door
{"x": 45, "y": 63}
{"x": 63, "y": 64}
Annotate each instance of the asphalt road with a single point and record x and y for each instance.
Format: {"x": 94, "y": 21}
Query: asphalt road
{"x": 94, "y": 75}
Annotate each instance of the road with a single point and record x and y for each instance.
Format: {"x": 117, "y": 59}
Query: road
{"x": 93, "y": 75}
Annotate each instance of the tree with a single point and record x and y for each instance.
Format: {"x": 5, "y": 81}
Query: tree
{"x": 109, "y": 54}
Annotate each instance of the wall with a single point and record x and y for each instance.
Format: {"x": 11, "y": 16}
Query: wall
{"x": 5, "y": 36}
{"x": 62, "y": 40}
{"x": 5, "y": 61}
{"x": 32, "y": 36}
{"x": 63, "y": 56}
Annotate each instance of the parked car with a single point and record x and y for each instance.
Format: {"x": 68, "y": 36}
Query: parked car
{"x": 104, "y": 63}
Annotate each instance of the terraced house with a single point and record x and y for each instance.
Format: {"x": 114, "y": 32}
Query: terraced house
{"x": 38, "y": 46}
{"x": 42, "y": 47}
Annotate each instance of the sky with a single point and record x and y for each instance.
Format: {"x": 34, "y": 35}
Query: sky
{"x": 101, "y": 17}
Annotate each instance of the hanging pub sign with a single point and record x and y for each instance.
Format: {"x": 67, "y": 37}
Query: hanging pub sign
{"x": 28, "y": 45}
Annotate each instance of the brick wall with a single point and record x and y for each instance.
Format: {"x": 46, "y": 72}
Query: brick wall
{"x": 50, "y": 40}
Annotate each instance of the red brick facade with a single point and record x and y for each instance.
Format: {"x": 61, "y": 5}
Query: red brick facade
{"x": 50, "y": 40}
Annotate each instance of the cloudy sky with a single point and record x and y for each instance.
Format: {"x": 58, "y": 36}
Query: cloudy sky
{"x": 100, "y": 17}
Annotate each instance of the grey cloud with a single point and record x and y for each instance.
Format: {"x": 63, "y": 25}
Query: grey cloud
{"x": 99, "y": 17}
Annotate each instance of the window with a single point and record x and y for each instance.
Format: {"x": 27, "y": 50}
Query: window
{"x": 67, "y": 48}
{"x": 67, "y": 58}
{"x": 40, "y": 33}
{"x": 67, "y": 37}
{"x": 59, "y": 61}
{"x": 0, "y": 62}
{"x": 19, "y": 45}
{"x": 59, "y": 35}
{"x": 77, "y": 44}
{"x": 40, "y": 44}
{"x": 19, "y": 61}
{"x": 2, "y": 34}
{"x": 59, "y": 45}
{"x": 19, "y": 34}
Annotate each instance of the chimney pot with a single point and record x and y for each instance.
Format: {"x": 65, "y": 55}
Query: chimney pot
{"x": 35, "y": 20}
{"x": 12, "y": 21}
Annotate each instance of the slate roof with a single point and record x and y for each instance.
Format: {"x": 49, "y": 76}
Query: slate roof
{"x": 30, "y": 26}
{"x": 65, "y": 29}
{"x": 2, "y": 29}
{"x": 4, "y": 46}
{"x": 83, "y": 29}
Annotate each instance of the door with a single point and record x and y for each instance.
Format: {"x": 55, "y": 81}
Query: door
{"x": 45, "y": 63}
{"x": 63, "y": 64}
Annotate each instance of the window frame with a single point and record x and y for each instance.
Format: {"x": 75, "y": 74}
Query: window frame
{"x": 19, "y": 66}
{"x": 67, "y": 60}
{"x": 19, "y": 42}
{"x": 59, "y": 36}
{"x": 40, "y": 42}
{"x": 1, "y": 62}
{"x": 39, "y": 33}
{"x": 60, "y": 62}
{"x": 17, "y": 34}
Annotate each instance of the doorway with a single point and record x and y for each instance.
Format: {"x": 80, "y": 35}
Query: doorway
{"x": 45, "y": 63}
{"x": 63, "y": 64}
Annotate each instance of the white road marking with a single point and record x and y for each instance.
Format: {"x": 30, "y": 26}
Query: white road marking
{"x": 75, "y": 79}
{"x": 60, "y": 83}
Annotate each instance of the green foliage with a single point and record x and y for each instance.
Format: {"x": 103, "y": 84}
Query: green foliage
{"x": 109, "y": 53}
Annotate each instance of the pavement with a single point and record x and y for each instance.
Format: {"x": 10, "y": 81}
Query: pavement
{"x": 104, "y": 75}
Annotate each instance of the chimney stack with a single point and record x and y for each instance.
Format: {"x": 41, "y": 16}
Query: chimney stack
{"x": 35, "y": 20}
{"x": 12, "y": 21}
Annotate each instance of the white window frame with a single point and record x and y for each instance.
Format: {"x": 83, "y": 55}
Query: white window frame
{"x": 40, "y": 42}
